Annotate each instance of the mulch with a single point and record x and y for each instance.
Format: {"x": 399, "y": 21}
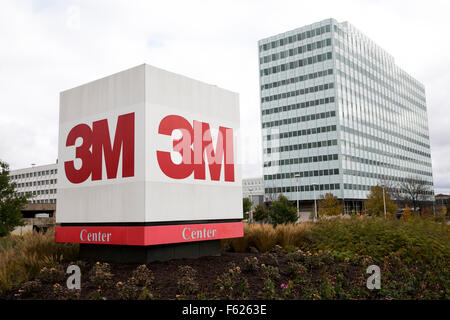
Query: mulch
{"x": 165, "y": 278}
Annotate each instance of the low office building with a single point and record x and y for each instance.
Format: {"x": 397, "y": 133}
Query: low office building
{"x": 40, "y": 182}
{"x": 253, "y": 188}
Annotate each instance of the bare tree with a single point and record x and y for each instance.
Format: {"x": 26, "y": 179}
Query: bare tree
{"x": 394, "y": 191}
{"x": 414, "y": 190}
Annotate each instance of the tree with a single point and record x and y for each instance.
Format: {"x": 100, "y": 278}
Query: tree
{"x": 414, "y": 191}
{"x": 10, "y": 204}
{"x": 443, "y": 211}
{"x": 394, "y": 192}
{"x": 247, "y": 206}
{"x": 375, "y": 204}
{"x": 282, "y": 211}
{"x": 406, "y": 213}
{"x": 329, "y": 205}
{"x": 260, "y": 214}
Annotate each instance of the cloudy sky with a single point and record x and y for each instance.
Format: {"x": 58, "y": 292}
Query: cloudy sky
{"x": 50, "y": 46}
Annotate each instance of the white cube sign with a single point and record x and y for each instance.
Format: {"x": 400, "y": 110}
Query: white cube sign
{"x": 148, "y": 157}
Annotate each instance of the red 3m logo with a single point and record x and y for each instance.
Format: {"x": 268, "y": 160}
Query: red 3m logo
{"x": 196, "y": 141}
{"x": 99, "y": 139}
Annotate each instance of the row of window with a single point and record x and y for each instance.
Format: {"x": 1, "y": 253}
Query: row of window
{"x": 411, "y": 128}
{"x": 296, "y": 64}
{"x": 36, "y": 183}
{"x": 397, "y": 89}
{"x": 296, "y": 106}
{"x": 251, "y": 183}
{"x": 392, "y": 133}
{"x": 36, "y": 192}
{"x": 359, "y": 187}
{"x": 298, "y": 92}
{"x": 298, "y": 37}
{"x": 309, "y": 117}
{"x": 364, "y": 96}
{"x": 322, "y": 187}
{"x": 319, "y": 158}
{"x": 389, "y": 121}
{"x": 304, "y": 188}
{"x": 390, "y": 166}
{"x": 43, "y": 201}
{"x": 308, "y": 76}
{"x": 302, "y": 146}
{"x": 373, "y": 150}
{"x": 382, "y": 164}
{"x": 360, "y": 173}
{"x": 303, "y": 132}
{"x": 384, "y": 141}
{"x": 380, "y": 81}
{"x": 302, "y": 174}
{"x": 33, "y": 174}
{"x": 406, "y": 80}
{"x": 294, "y": 51}
{"x": 416, "y": 125}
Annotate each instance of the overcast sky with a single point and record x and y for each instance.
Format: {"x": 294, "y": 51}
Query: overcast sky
{"x": 51, "y": 46}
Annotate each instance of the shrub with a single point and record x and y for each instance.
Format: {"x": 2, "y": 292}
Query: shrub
{"x": 260, "y": 213}
{"x": 143, "y": 276}
{"x": 262, "y": 236}
{"x": 232, "y": 283}
{"x": 417, "y": 239}
{"x": 376, "y": 203}
{"x": 271, "y": 276}
{"x": 269, "y": 258}
{"x": 269, "y": 292}
{"x": 22, "y": 257}
{"x": 62, "y": 293}
{"x": 128, "y": 290}
{"x": 292, "y": 268}
{"x": 187, "y": 283}
{"x": 239, "y": 244}
{"x": 289, "y": 248}
{"x": 10, "y": 202}
{"x": 100, "y": 275}
{"x": 250, "y": 264}
{"x": 52, "y": 275}
{"x": 406, "y": 213}
{"x": 270, "y": 272}
{"x": 287, "y": 290}
{"x": 97, "y": 294}
{"x": 246, "y": 205}
{"x": 29, "y": 288}
{"x": 329, "y": 205}
{"x": 282, "y": 211}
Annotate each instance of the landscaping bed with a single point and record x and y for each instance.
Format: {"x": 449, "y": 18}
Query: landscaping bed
{"x": 322, "y": 260}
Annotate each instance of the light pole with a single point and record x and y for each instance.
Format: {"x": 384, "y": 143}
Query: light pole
{"x": 315, "y": 203}
{"x": 250, "y": 213}
{"x": 297, "y": 175}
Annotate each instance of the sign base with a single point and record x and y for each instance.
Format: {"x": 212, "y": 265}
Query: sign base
{"x": 147, "y": 254}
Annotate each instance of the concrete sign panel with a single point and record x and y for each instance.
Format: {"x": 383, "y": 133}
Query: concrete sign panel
{"x": 148, "y": 157}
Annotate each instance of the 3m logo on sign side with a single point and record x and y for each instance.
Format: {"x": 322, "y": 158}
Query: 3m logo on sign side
{"x": 97, "y": 144}
{"x": 195, "y": 147}
{"x": 196, "y": 141}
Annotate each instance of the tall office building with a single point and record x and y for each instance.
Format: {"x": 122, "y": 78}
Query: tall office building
{"x": 338, "y": 116}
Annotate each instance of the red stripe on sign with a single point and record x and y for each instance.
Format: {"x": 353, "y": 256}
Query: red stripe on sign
{"x": 149, "y": 235}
